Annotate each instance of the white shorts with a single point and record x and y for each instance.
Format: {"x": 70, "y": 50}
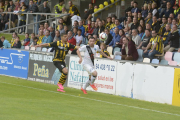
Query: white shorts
{"x": 88, "y": 68}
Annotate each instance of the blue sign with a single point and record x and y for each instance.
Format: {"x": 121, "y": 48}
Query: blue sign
{"x": 14, "y": 63}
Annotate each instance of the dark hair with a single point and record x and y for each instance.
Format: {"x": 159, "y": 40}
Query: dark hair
{"x": 114, "y": 16}
{"x": 63, "y": 34}
{"x": 91, "y": 38}
{"x": 27, "y": 34}
{"x": 175, "y": 19}
{"x": 136, "y": 2}
{"x": 35, "y": 38}
{"x": 15, "y": 33}
{"x": 154, "y": 30}
{"x": 80, "y": 30}
{"x": 2, "y": 37}
{"x": 91, "y": 3}
{"x": 48, "y": 31}
{"x": 141, "y": 30}
{"x": 60, "y": 24}
{"x": 148, "y": 30}
{"x": 122, "y": 31}
{"x": 75, "y": 28}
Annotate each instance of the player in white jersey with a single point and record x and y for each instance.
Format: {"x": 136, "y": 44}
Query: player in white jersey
{"x": 88, "y": 62}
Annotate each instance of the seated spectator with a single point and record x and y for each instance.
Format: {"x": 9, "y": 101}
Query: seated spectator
{"x": 66, "y": 29}
{"x": 115, "y": 39}
{"x": 100, "y": 28}
{"x": 145, "y": 40}
{"x": 169, "y": 21}
{"x": 52, "y": 33}
{"x": 141, "y": 23}
{"x": 1, "y": 5}
{"x": 42, "y": 28}
{"x": 128, "y": 25}
{"x": 149, "y": 19}
{"x": 34, "y": 43}
{"x": 97, "y": 42}
{"x": 22, "y": 18}
{"x": 165, "y": 36}
{"x": 32, "y": 39}
{"x": 134, "y": 25}
{"x": 149, "y": 8}
{"x": 113, "y": 22}
{"x": 17, "y": 43}
{"x": 61, "y": 21}
{"x": 176, "y": 10}
{"x": 129, "y": 51}
{"x": 61, "y": 29}
{"x": 109, "y": 38}
{"x": 173, "y": 39}
{"x": 135, "y": 9}
{"x": 104, "y": 49}
{"x": 57, "y": 36}
{"x": 41, "y": 35}
{"x": 154, "y": 10}
{"x": 86, "y": 39}
{"x": 174, "y": 22}
{"x": 122, "y": 35}
{"x": 117, "y": 24}
{"x": 79, "y": 37}
{"x": 154, "y": 47}
{"x": 140, "y": 31}
{"x": 139, "y": 17}
{"x": 167, "y": 11}
{"x": 75, "y": 29}
{"x": 47, "y": 38}
{"x": 45, "y": 9}
{"x": 108, "y": 24}
{"x": 5, "y": 42}
{"x": 14, "y": 35}
{"x": 71, "y": 39}
{"x": 73, "y": 10}
{"x": 145, "y": 11}
{"x": 95, "y": 31}
{"x": 26, "y": 40}
{"x": 162, "y": 27}
{"x": 91, "y": 28}
{"x": 81, "y": 27}
{"x": 135, "y": 37}
{"x": 46, "y": 27}
{"x": 89, "y": 12}
{"x": 86, "y": 26}
{"x": 155, "y": 24}
{"x": 171, "y": 15}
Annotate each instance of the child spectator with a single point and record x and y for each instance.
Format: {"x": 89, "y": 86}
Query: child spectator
{"x": 26, "y": 40}
{"x": 34, "y": 43}
{"x": 79, "y": 37}
{"x": 32, "y": 39}
{"x": 17, "y": 43}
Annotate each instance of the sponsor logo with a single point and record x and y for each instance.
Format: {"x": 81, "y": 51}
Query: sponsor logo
{"x": 40, "y": 72}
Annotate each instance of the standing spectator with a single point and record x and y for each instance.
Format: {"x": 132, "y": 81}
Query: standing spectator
{"x": 155, "y": 11}
{"x": 129, "y": 51}
{"x": 81, "y": 27}
{"x": 45, "y": 9}
{"x": 26, "y": 40}
{"x": 145, "y": 40}
{"x": 61, "y": 29}
{"x": 165, "y": 36}
{"x": 64, "y": 12}
{"x": 135, "y": 37}
{"x": 11, "y": 5}
{"x": 115, "y": 39}
{"x": 6, "y": 5}
{"x": 2, "y": 20}
{"x": 57, "y": 36}
{"x": 88, "y": 13}
{"x": 135, "y": 9}
{"x": 41, "y": 35}
{"x": 5, "y": 42}
{"x": 17, "y": 6}
{"x": 154, "y": 47}
{"x": 167, "y": 11}
{"x": 120, "y": 42}
{"x": 129, "y": 8}
{"x": 155, "y": 24}
{"x": 52, "y": 33}
{"x": 73, "y": 9}
{"x": 71, "y": 39}
{"x": 176, "y": 10}
{"x": 47, "y": 38}
{"x": 22, "y": 18}
{"x": 7, "y": 17}
{"x": 79, "y": 37}
{"x": 33, "y": 8}
{"x": 17, "y": 43}
{"x": 174, "y": 40}
{"x": 100, "y": 28}
{"x": 109, "y": 38}
{"x": 58, "y": 7}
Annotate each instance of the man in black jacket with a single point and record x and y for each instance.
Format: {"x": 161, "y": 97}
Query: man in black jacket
{"x": 45, "y": 9}
{"x": 109, "y": 39}
{"x": 1, "y": 44}
{"x": 155, "y": 25}
{"x": 173, "y": 40}
{"x": 100, "y": 28}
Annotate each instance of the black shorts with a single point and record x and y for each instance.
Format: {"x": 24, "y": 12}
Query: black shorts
{"x": 59, "y": 65}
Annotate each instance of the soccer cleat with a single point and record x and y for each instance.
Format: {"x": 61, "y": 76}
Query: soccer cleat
{"x": 60, "y": 90}
{"x": 60, "y": 86}
{"x": 84, "y": 91}
{"x": 93, "y": 86}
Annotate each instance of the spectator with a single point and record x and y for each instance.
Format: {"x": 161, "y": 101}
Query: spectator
{"x": 41, "y": 35}
{"x": 17, "y": 43}
{"x": 154, "y": 10}
{"x": 149, "y": 19}
{"x": 140, "y": 31}
{"x": 61, "y": 29}
{"x": 108, "y": 24}
{"x": 97, "y": 42}
{"x": 109, "y": 38}
{"x": 14, "y": 35}
{"x": 46, "y": 27}
{"x": 104, "y": 49}
{"x": 139, "y": 17}
{"x": 155, "y": 24}
{"x": 86, "y": 39}
{"x": 61, "y": 21}
{"x": 15, "y": 17}
{"x": 89, "y": 12}
{"x": 179, "y": 50}
{"x": 57, "y": 36}
{"x": 66, "y": 29}
{"x": 173, "y": 39}
{"x": 117, "y": 24}
{"x": 2, "y": 20}
{"x": 73, "y": 9}
{"x": 34, "y": 43}
{"x": 11, "y": 5}
{"x": 75, "y": 18}
{"x": 176, "y": 10}
{"x": 113, "y": 22}
{"x": 145, "y": 11}
{"x": 75, "y": 29}
{"x": 165, "y": 36}
{"x": 71, "y": 39}
{"x": 42, "y": 28}
{"x": 129, "y": 51}
{"x": 58, "y": 7}
{"x": 5, "y": 42}
{"x": 22, "y": 18}
{"x": 79, "y": 37}
{"x": 81, "y": 27}
{"x": 45, "y": 9}
{"x": 90, "y": 31}
{"x": 100, "y": 29}
{"x": 128, "y": 24}
{"x": 174, "y": 22}
{"x": 129, "y": 8}
{"x": 75, "y": 25}
{"x": 64, "y": 12}
{"x": 1, "y": 44}
{"x": 141, "y": 23}
{"x": 26, "y": 40}
{"x": 163, "y": 25}
{"x": 33, "y": 8}
{"x": 47, "y": 38}
{"x": 32, "y": 39}
{"x": 145, "y": 40}
{"x": 135, "y": 24}
{"x": 52, "y": 33}
{"x": 167, "y": 11}
{"x": 154, "y": 47}
{"x": 135, "y": 37}
{"x": 115, "y": 39}
{"x": 135, "y": 9}
{"x": 122, "y": 35}
{"x": 149, "y": 8}
{"x": 6, "y": 5}
{"x": 170, "y": 21}
{"x": 95, "y": 31}
{"x": 7, "y": 17}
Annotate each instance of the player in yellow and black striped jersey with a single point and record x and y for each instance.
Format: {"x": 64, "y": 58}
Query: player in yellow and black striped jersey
{"x": 61, "y": 49}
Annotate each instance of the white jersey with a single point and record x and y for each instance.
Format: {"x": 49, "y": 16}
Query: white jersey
{"x": 87, "y": 59}
{"x": 75, "y": 18}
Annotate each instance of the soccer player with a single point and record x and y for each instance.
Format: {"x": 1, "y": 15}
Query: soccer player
{"x": 88, "y": 62}
{"x": 61, "y": 49}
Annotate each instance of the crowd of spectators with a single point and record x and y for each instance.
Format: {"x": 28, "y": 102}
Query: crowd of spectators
{"x": 154, "y": 28}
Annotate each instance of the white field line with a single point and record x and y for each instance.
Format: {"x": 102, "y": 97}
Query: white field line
{"x": 145, "y": 109}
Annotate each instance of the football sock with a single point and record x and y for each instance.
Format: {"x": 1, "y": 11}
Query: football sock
{"x": 87, "y": 84}
{"x": 93, "y": 78}
{"x": 62, "y": 79}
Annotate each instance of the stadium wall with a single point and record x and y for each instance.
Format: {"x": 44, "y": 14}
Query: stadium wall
{"x": 149, "y": 82}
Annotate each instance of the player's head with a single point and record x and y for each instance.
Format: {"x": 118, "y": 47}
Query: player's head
{"x": 91, "y": 41}
{"x": 64, "y": 37}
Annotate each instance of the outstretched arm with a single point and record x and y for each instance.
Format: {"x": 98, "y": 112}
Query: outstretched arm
{"x": 43, "y": 45}
{"x": 102, "y": 53}
{"x": 79, "y": 55}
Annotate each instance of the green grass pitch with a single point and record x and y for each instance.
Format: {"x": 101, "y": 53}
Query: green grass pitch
{"x": 27, "y": 100}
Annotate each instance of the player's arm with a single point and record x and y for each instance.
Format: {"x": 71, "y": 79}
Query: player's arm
{"x": 102, "y": 53}
{"x": 43, "y": 45}
{"x": 79, "y": 55}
